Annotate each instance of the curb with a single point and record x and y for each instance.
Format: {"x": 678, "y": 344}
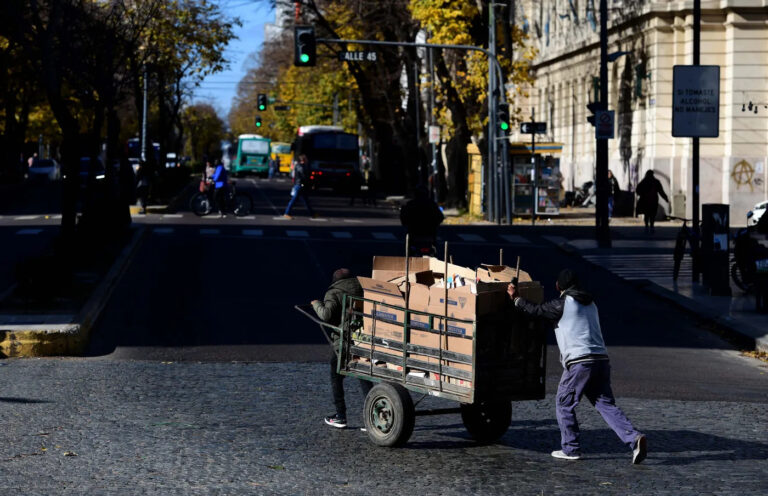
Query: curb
{"x": 740, "y": 333}
{"x": 72, "y": 338}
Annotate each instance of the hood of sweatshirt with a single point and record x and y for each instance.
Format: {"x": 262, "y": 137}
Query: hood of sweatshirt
{"x": 580, "y": 296}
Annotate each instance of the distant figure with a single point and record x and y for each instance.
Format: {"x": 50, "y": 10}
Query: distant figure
{"x": 142, "y": 186}
{"x": 329, "y": 310}
{"x": 648, "y": 191}
{"x": 421, "y": 216}
{"x": 355, "y": 185}
{"x": 299, "y": 187}
{"x": 613, "y": 190}
{"x": 221, "y": 186}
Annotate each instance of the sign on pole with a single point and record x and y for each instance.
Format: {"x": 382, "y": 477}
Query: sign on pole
{"x": 533, "y": 128}
{"x": 696, "y": 101}
{"x": 604, "y": 124}
{"x": 366, "y": 56}
{"x": 434, "y": 134}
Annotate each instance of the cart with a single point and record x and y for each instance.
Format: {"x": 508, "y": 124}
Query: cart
{"x": 508, "y": 363}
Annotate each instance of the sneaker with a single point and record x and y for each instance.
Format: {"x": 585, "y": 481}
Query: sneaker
{"x": 286, "y": 216}
{"x": 563, "y": 456}
{"x": 641, "y": 449}
{"x": 363, "y": 429}
{"x": 336, "y": 421}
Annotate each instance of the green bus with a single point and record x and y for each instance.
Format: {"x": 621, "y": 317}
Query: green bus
{"x": 252, "y": 155}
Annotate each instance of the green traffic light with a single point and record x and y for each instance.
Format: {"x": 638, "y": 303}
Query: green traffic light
{"x": 258, "y": 124}
{"x": 504, "y": 126}
{"x": 304, "y": 58}
{"x": 261, "y": 107}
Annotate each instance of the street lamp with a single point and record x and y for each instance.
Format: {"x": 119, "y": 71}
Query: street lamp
{"x": 615, "y": 55}
{"x": 144, "y": 112}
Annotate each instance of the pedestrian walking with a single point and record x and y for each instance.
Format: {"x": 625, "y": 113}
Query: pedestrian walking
{"x": 587, "y": 371}
{"x": 142, "y": 186}
{"x": 299, "y": 188}
{"x": 613, "y": 191}
{"x": 648, "y": 192}
{"x": 329, "y": 310}
{"x": 221, "y": 186}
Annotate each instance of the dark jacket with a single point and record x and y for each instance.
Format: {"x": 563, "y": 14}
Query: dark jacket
{"x": 329, "y": 310}
{"x": 421, "y": 217}
{"x": 578, "y": 332}
{"x": 648, "y": 191}
{"x": 613, "y": 186}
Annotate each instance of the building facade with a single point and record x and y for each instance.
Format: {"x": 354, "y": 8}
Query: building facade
{"x": 646, "y": 40}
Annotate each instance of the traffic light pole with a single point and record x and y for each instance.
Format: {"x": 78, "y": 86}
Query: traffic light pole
{"x": 496, "y": 80}
{"x": 695, "y": 148}
{"x": 492, "y": 176}
{"x": 603, "y": 232}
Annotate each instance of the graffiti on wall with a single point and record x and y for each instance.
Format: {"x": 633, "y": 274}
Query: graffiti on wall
{"x": 743, "y": 174}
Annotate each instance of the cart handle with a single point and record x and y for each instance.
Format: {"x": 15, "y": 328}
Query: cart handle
{"x": 309, "y": 312}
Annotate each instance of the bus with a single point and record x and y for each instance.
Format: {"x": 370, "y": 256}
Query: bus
{"x": 283, "y": 152}
{"x": 252, "y": 155}
{"x": 331, "y": 153}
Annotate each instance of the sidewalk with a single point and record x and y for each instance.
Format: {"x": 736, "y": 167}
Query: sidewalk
{"x": 649, "y": 264}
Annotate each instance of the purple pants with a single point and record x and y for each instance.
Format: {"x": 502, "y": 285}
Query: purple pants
{"x": 592, "y": 379}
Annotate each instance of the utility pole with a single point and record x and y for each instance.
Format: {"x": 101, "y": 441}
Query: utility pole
{"x": 534, "y": 171}
{"x": 603, "y": 232}
{"x": 144, "y": 121}
{"x": 695, "y": 146}
{"x": 433, "y": 164}
{"x": 336, "y": 109}
{"x": 491, "y": 165}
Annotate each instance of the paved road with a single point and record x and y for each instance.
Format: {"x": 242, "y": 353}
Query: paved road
{"x": 238, "y": 410}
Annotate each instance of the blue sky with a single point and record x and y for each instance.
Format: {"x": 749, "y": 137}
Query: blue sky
{"x": 219, "y": 89}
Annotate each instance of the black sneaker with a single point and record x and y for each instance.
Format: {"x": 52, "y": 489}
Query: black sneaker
{"x": 336, "y": 421}
{"x": 641, "y": 449}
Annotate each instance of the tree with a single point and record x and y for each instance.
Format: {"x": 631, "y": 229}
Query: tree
{"x": 205, "y": 131}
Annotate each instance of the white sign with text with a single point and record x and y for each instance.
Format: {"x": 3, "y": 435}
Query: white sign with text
{"x": 696, "y": 101}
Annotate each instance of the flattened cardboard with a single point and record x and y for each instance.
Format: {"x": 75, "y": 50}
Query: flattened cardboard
{"x": 389, "y": 322}
{"x": 388, "y": 268}
{"x": 500, "y": 273}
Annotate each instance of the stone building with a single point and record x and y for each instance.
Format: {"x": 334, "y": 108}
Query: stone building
{"x": 646, "y": 39}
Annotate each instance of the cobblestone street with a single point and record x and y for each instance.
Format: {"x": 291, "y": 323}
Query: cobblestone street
{"x": 74, "y": 426}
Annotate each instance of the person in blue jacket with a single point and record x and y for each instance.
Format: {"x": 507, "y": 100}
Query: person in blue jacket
{"x": 220, "y": 184}
{"x": 587, "y": 371}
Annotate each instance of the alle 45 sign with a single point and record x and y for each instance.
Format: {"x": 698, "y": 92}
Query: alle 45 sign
{"x": 357, "y": 56}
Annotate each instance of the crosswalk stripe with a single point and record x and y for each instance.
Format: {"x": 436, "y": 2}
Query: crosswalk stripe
{"x": 297, "y": 234}
{"x": 209, "y": 231}
{"x": 163, "y": 230}
{"x": 641, "y": 265}
{"x": 515, "y": 239}
{"x": 172, "y": 216}
{"x": 26, "y": 217}
{"x": 341, "y": 235}
{"x": 253, "y": 232}
{"x": 317, "y": 219}
{"x": 475, "y": 238}
{"x": 29, "y": 231}
{"x": 383, "y": 235}
{"x": 353, "y": 221}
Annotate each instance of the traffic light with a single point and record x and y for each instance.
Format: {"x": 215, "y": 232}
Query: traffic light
{"x": 594, "y": 107}
{"x": 304, "y": 46}
{"x": 258, "y": 121}
{"x": 261, "y": 99}
{"x": 502, "y": 118}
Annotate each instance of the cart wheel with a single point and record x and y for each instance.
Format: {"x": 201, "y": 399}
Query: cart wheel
{"x": 389, "y": 415}
{"x": 486, "y": 421}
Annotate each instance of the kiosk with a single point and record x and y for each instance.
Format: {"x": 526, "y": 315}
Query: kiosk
{"x": 536, "y": 178}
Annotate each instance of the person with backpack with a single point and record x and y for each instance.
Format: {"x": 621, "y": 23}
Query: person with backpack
{"x": 299, "y": 187}
{"x": 586, "y": 369}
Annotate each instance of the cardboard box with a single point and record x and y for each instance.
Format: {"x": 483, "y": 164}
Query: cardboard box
{"x": 500, "y": 273}
{"x": 389, "y": 321}
{"x": 389, "y": 268}
{"x": 531, "y": 291}
{"x": 464, "y": 305}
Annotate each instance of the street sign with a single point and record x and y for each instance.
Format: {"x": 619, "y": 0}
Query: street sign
{"x": 434, "y": 134}
{"x": 604, "y": 124}
{"x": 695, "y": 101}
{"x": 357, "y": 56}
{"x": 282, "y": 107}
{"x": 533, "y": 128}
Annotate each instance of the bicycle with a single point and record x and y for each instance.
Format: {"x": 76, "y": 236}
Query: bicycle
{"x": 685, "y": 235}
{"x": 239, "y": 204}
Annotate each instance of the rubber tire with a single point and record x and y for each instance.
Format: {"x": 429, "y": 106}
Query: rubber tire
{"x": 736, "y": 276}
{"x": 200, "y": 204}
{"x": 401, "y": 412}
{"x": 486, "y": 422}
{"x": 242, "y": 204}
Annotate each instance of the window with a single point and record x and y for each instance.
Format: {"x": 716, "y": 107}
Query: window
{"x": 255, "y": 146}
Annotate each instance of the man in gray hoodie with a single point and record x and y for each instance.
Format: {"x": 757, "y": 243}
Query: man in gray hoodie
{"x": 585, "y": 363}
{"x": 329, "y": 310}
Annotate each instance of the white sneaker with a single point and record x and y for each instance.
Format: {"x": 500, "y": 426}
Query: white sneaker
{"x": 641, "y": 449}
{"x": 563, "y": 456}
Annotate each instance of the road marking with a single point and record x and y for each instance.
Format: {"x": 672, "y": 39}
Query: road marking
{"x": 515, "y": 239}
{"x": 318, "y": 219}
{"x": 163, "y": 230}
{"x": 653, "y": 266}
{"x": 297, "y": 234}
{"x": 26, "y": 217}
{"x": 209, "y": 231}
{"x": 475, "y": 238}
{"x": 383, "y": 235}
{"x": 282, "y": 217}
{"x": 172, "y": 216}
{"x": 253, "y": 232}
{"x": 30, "y": 231}
{"x": 353, "y": 221}
{"x": 341, "y": 235}
{"x": 247, "y": 217}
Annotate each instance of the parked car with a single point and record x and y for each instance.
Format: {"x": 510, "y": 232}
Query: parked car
{"x": 45, "y": 169}
{"x": 91, "y": 171}
{"x": 754, "y": 215}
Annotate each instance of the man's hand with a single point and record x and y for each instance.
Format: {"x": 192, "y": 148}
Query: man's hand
{"x": 313, "y": 302}
{"x": 512, "y": 291}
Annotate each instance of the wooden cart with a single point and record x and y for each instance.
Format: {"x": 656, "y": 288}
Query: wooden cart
{"x": 508, "y": 363}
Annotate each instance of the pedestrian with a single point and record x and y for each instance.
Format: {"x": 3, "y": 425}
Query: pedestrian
{"x": 587, "y": 370}
{"x": 221, "y": 187}
{"x": 299, "y": 188}
{"x": 648, "y": 191}
{"x": 355, "y": 184}
{"x": 329, "y": 310}
{"x": 142, "y": 186}
{"x": 613, "y": 191}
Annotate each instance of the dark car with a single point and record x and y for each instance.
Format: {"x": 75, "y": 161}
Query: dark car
{"x": 45, "y": 169}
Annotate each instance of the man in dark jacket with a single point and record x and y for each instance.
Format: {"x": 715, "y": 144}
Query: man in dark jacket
{"x": 329, "y": 310}
{"x": 648, "y": 192}
{"x": 585, "y": 360}
{"x": 421, "y": 216}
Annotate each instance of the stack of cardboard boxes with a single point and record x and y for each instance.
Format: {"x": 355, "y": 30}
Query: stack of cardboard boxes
{"x": 470, "y": 296}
